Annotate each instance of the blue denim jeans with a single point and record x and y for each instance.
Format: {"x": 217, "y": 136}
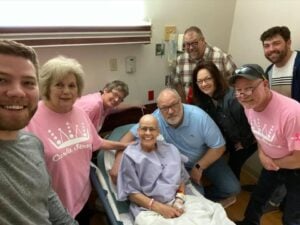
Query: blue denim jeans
{"x": 267, "y": 183}
{"x": 224, "y": 182}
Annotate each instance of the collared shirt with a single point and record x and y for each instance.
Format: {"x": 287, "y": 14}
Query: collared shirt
{"x": 185, "y": 65}
{"x": 194, "y": 136}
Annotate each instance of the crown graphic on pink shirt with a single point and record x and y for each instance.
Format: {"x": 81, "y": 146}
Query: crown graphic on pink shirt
{"x": 263, "y": 131}
{"x": 69, "y": 135}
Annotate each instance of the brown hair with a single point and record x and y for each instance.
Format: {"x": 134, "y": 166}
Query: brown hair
{"x": 283, "y": 31}
{"x": 10, "y": 47}
{"x": 220, "y": 82}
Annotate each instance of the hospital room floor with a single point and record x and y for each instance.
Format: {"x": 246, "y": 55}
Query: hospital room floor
{"x": 235, "y": 212}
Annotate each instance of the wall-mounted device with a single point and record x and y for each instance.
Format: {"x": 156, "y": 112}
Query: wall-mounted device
{"x": 130, "y": 64}
{"x": 160, "y": 49}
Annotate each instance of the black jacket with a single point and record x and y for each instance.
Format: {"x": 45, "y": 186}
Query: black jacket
{"x": 229, "y": 115}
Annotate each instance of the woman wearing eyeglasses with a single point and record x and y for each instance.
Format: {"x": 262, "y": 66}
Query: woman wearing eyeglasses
{"x": 212, "y": 93}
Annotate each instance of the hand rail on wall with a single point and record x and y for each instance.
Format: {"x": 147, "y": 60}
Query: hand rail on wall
{"x": 77, "y": 36}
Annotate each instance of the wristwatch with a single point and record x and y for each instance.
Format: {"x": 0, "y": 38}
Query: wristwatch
{"x": 198, "y": 166}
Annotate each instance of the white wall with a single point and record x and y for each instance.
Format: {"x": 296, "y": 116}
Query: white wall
{"x": 251, "y": 19}
{"x": 214, "y": 17}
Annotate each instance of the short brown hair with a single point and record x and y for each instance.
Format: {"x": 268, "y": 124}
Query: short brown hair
{"x": 10, "y": 47}
{"x": 283, "y": 31}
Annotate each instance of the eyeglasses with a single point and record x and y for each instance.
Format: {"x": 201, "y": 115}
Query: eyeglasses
{"x": 188, "y": 45}
{"x": 167, "y": 108}
{"x": 117, "y": 96}
{"x": 206, "y": 80}
{"x": 249, "y": 70}
{"x": 145, "y": 129}
{"x": 247, "y": 91}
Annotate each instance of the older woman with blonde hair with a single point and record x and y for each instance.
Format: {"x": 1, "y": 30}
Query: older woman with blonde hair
{"x": 68, "y": 135}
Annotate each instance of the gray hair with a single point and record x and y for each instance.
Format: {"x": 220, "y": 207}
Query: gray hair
{"x": 117, "y": 85}
{"x": 56, "y": 69}
{"x": 165, "y": 90}
{"x": 196, "y": 30}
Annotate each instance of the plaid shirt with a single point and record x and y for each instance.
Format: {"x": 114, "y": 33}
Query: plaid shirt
{"x": 185, "y": 65}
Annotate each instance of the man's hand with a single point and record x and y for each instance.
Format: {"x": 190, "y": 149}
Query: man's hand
{"x": 267, "y": 162}
{"x": 196, "y": 175}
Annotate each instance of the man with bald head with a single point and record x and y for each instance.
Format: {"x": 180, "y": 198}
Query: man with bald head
{"x": 196, "y": 136}
{"x": 152, "y": 176}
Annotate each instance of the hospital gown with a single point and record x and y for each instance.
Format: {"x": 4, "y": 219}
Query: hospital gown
{"x": 158, "y": 174}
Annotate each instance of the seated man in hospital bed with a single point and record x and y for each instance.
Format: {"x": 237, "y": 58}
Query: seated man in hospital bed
{"x": 152, "y": 176}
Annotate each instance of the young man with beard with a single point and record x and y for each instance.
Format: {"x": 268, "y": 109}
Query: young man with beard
{"x": 284, "y": 77}
{"x": 196, "y": 136}
{"x": 26, "y": 193}
{"x": 198, "y": 50}
{"x": 284, "y": 72}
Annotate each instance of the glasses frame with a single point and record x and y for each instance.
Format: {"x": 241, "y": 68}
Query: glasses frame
{"x": 206, "y": 80}
{"x": 247, "y": 91}
{"x": 116, "y": 96}
{"x": 167, "y": 108}
{"x": 150, "y": 129}
{"x": 188, "y": 45}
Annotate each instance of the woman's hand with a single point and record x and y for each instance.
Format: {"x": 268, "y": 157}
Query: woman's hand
{"x": 167, "y": 211}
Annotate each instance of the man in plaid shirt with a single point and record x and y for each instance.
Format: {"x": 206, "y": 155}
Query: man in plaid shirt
{"x": 195, "y": 51}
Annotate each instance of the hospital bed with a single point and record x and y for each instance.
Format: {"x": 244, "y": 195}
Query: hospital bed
{"x": 116, "y": 124}
{"x": 117, "y": 211}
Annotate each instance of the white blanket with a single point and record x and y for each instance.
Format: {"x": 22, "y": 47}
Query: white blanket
{"x": 198, "y": 211}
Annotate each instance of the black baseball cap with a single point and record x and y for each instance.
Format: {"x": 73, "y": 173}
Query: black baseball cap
{"x": 248, "y": 71}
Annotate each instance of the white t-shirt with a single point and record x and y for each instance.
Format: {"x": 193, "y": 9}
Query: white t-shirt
{"x": 282, "y": 76}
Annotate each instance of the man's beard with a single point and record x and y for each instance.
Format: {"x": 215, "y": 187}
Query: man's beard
{"x": 279, "y": 58}
{"x": 18, "y": 123}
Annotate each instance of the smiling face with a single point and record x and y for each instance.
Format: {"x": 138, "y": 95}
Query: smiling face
{"x": 206, "y": 82}
{"x": 63, "y": 94}
{"x": 253, "y": 94}
{"x": 170, "y": 107}
{"x": 112, "y": 98}
{"x": 148, "y": 131}
{"x": 194, "y": 45}
{"x": 19, "y": 93}
{"x": 277, "y": 50}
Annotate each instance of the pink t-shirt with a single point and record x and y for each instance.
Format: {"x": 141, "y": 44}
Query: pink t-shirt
{"x": 69, "y": 139}
{"x": 92, "y": 104}
{"x": 277, "y": 128}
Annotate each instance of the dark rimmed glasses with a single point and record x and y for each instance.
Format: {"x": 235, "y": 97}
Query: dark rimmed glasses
{"x": 205, "y": 80}
{"x": 188, "y": 45}
{"x": 167, "y": 108}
